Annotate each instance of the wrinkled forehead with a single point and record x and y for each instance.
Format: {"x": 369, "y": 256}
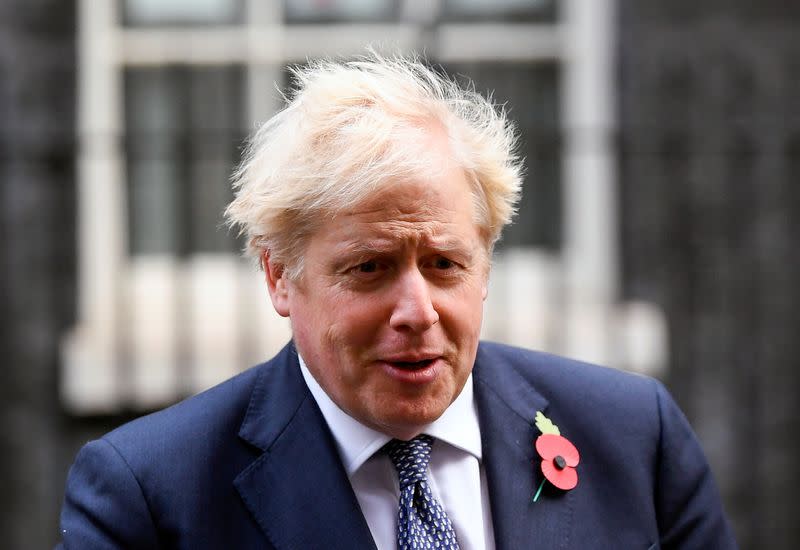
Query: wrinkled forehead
{"x": 434, "y": 213}
{"x": 418, "y": 179}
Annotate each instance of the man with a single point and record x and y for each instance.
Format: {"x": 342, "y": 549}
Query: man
{"x": 372, "y": 202}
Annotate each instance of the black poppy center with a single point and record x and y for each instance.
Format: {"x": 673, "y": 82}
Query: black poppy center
{"x": 560, "y": 462}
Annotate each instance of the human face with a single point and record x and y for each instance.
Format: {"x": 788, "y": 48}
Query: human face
{"x": 387, "y": 313}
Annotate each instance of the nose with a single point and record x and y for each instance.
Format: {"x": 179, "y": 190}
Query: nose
{"x": 413, "y": 308}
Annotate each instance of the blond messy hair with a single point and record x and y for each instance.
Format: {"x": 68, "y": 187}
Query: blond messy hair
{"x": 349, "y": 129}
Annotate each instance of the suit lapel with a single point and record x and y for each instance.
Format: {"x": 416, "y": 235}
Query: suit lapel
{"x": 297, "y": 490}
{"x": 507, "y": 405}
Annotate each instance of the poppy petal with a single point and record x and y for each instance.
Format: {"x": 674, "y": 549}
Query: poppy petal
{"x": 570, "y": 453}
{"x": 547, "y": 445}
{"x": 550, "y": 445}
{"x": 565, "y": 479}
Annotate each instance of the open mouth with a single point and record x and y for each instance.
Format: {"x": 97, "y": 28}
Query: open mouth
{"x": 413, "y": 365}
{"x": 415, "y": 373}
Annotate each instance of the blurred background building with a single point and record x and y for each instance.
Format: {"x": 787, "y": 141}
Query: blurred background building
{"x": 656, "y": 231}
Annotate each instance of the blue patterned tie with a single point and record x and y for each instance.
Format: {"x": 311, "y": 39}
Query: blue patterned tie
{"x": 422, "y": 522}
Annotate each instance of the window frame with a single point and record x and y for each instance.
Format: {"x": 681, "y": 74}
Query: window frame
{"x": 581, "y": 41}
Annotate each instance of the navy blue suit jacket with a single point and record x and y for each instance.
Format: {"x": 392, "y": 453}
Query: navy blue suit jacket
{"x": 252, "y": 464}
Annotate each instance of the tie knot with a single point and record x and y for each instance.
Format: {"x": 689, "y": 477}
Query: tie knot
{"x": 410, "y": 458}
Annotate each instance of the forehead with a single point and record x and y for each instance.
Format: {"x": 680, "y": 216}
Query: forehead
{"x": 437, "y": 213}
{"x": 441, "y": 197}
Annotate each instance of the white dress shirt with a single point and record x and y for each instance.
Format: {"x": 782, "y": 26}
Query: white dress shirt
{"x": 455, "y": 473}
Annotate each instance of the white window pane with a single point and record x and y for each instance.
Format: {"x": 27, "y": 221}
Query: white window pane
{"x": 339, "y": 10}
{"x": 191, "y": 12}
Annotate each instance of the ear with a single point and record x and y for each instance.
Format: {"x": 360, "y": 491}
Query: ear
{"x": 485, "y": 283}
{"x": 276, "y": 284}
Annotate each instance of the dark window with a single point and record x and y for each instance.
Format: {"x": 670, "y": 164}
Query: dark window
{"x": 500, "y": 10}
{"x": 530, "y": 94}
{"x": 183, "y": 140}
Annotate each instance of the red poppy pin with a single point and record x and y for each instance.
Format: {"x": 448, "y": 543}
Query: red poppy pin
{"x": 559, "y": 456}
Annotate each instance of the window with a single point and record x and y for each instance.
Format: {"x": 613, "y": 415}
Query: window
{"x": 500, "y": 10}
{"x": 169, "y": 88}
{"x": 181, "y": 12}
{"x": 182, "y": 141}
{"x": 530, "y": 93}
{"x": 317, "y": 11}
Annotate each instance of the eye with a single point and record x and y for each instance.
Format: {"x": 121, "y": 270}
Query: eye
{"x": 443, "y": 263}
{"x": 370, "y": 266}
{"x": 368, "y": 269}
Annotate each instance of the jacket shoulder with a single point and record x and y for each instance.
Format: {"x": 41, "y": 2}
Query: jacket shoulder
{"x": 563, "y": 379}
{"x": 217, "y": 409}
{"x": 634, "y": 440}
{"x": 592, "y": 404}
{"x": 170, "y": 473}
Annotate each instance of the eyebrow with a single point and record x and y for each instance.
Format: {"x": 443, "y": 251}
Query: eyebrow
{"x": 372, "y": 247}
{"x": 448, "y": 244}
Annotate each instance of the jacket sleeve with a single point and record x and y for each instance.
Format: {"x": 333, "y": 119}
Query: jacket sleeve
{"x": 690, "y": 513}
{"x": 104, "y": 507}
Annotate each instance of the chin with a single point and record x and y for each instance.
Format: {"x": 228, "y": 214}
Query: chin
{"x": 407, "y": 424}
{"x": 403, "y": 430}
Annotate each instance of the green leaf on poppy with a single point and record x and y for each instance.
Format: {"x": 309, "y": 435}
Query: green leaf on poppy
{"x": 545, "y": 425}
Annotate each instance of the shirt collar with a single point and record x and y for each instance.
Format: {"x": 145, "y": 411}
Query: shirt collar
{"x": 356, "y": 442}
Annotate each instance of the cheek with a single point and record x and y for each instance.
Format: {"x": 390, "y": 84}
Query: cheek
{"x": 335, "y": 322}
{"x": 310, "y": 319}
{"x": 355, "y": 322}
{"x": 466, "y": 313}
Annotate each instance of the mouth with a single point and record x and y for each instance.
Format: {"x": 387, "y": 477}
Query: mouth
{"x": 412, "y": 365}
{"x": 413, "y": 370}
